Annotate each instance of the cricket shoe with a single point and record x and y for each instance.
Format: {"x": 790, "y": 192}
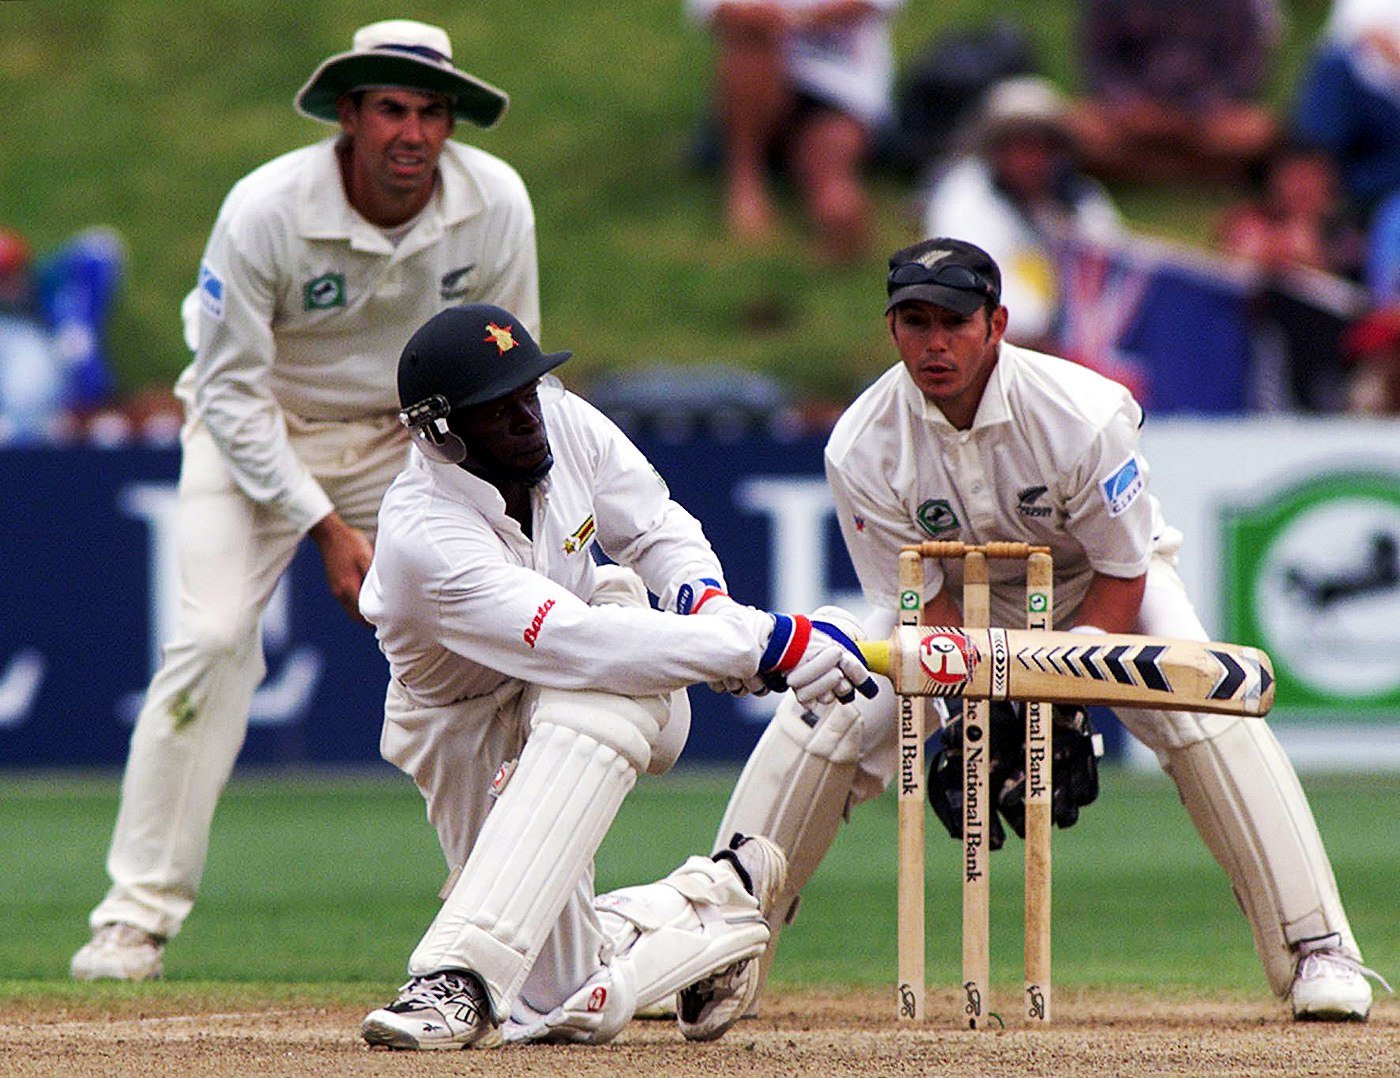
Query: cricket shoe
{"x": 1330, "y": 986}
{"x": 119, "y": 952}
{"x": 449, "y": 1009}
{"x": 706, "y": 1009}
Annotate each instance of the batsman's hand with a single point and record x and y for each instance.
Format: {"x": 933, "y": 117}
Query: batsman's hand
{"x": 816, "y": 660}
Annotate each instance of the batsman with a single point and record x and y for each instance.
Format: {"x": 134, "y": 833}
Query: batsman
{"x": 971, "y": 438}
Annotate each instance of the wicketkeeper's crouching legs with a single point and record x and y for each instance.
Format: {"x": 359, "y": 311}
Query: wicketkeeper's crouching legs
{"x": 1244, "y": 798}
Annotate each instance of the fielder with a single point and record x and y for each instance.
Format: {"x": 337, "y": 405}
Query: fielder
{"x": 971, "y": 438}
{"x": 515, "y": 655}
{"x": 320, "y": 265}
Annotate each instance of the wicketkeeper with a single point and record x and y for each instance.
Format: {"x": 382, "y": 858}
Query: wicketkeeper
{"x": 970, "y": 438}
{"x": 515, "y": 655}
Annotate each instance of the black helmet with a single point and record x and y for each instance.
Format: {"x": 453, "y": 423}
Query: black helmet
{"x": 462, "y": 356}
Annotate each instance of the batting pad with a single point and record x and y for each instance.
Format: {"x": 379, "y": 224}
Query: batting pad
{"x": 581, "y": 759}
{"x": 672, "y": 933}
{"x": 1245, "y": 800}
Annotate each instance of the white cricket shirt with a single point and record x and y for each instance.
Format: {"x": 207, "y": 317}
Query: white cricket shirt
{"x": 305, "y": 305}
{"x": 461, "y": 600}
{"x": 1051, "y": 458}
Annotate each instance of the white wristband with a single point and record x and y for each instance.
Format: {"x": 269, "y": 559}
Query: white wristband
{"x": 1088, "y": 630}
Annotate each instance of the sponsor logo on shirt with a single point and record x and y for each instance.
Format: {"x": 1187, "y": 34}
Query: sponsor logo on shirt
{"x": 211, "y": 292}
{"x": 533, "y": 632}
{"x": 324, "y": 292}
{"x": 1026, "y": 499}
{"x": 583, "y": 535}
{"x": 451, "y": 286}
{"x": 1121, "y": 488}
{"x": 936, "y": 517}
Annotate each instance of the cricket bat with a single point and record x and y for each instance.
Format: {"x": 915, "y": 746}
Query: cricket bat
{"x": 1117, "y": 669}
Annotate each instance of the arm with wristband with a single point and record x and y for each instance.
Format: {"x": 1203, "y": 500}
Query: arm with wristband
{"x": 814, "y": 656}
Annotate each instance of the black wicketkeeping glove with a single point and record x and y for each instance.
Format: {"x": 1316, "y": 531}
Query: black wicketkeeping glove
{"x": 1074, "y": 780}
{"x": 945, "y": 769}
{"x": 1075, "y": 748}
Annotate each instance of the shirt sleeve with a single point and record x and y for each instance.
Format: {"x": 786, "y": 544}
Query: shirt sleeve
{"x": 513, "y": 281}
{"x": 1108, "y": 510}
{"x": 639, "y": 525}
{"x": 519, "y": 622}
{"x": 232, "y": 395}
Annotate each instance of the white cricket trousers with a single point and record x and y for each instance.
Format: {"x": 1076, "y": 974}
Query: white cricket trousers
{"x": 231, "y": 552}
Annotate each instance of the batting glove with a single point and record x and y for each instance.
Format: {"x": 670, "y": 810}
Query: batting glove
{"x": 816, "y": 660}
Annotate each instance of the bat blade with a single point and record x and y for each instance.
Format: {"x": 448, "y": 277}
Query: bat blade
{"x": 1122, "y": 669}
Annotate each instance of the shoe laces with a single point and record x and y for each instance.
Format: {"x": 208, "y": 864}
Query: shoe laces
{"x": 439, "y": 991}
{"x": 1321, "y": 963}
{"x": 118, "y": 934}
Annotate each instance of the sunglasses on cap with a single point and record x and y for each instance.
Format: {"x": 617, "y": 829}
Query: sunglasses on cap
{"x": 949, "y": 275}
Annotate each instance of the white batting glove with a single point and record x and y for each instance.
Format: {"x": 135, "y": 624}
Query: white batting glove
{"x": 816, "y": 660}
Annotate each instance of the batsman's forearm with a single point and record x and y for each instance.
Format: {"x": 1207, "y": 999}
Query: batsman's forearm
{"x": 1122, "y": 669}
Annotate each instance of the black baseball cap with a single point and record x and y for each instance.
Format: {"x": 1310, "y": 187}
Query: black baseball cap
{"x": 945, "y": 272}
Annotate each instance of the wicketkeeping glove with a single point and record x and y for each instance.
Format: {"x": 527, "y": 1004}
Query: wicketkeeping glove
{"x": 1075, "y": 748}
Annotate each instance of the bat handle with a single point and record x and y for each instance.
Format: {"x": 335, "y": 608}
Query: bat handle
{"x": 876, "y": 654}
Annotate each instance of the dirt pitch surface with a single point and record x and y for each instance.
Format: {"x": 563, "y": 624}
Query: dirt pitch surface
{"x": 806, "y": 1032}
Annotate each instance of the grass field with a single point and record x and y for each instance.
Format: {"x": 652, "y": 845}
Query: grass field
{"x": 148, "y": 136}
{"x": 319, "y": 887}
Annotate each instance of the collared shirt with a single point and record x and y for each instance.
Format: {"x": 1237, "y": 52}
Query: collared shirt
{"x": 1051, "y": 458}
{"x": 462, "y": 600}
{"x": 305, "y": 305}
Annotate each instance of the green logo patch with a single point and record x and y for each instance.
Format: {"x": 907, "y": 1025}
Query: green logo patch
{"x": 1036, "y": 604}
{"x": 936, "y": 517}
{"x": 324, "y": 292}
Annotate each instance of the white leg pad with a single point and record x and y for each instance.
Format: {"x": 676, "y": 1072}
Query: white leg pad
{"x": 595, "y": 1014}
{"x": 672, "y": 933}
{"x": 580, "y": 760}
{"x": 1245, "y": 800}
{"x": 796, "y": 788}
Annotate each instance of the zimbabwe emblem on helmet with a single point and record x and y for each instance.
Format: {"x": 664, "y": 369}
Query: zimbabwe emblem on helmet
{"x": 500, "y": 336}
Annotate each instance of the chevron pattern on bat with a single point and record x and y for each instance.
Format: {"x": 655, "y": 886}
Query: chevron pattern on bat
{"x": 1244, "y": 678}
{"x": 1124, "y": 664}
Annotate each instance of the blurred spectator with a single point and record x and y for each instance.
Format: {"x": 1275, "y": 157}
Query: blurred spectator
{"x": 1383, "y": 252}
{"x": 31, "y": 384}
{"x": 1373, "y": 347}
{"x": 1349, "y": 98}
{"x": 942, "y": 86}
{"x": 1297, "y": 232}
{"x": 809, "y": 80}
{"x": 1174, "y": 87}
{"x": 1017, "y": 189}
{"x": 54, "y": 371}
{"x": 1297, "y": 216}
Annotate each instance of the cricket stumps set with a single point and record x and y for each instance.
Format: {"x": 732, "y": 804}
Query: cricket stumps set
{"x": 1040, "y": 667}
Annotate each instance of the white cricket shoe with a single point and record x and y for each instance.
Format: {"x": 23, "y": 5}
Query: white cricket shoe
{"x": 119, "y": 952}
{"x": 706, "y": 1009}
{"x": 1330, "y": 986}
{"x": 449, "y": 1009}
